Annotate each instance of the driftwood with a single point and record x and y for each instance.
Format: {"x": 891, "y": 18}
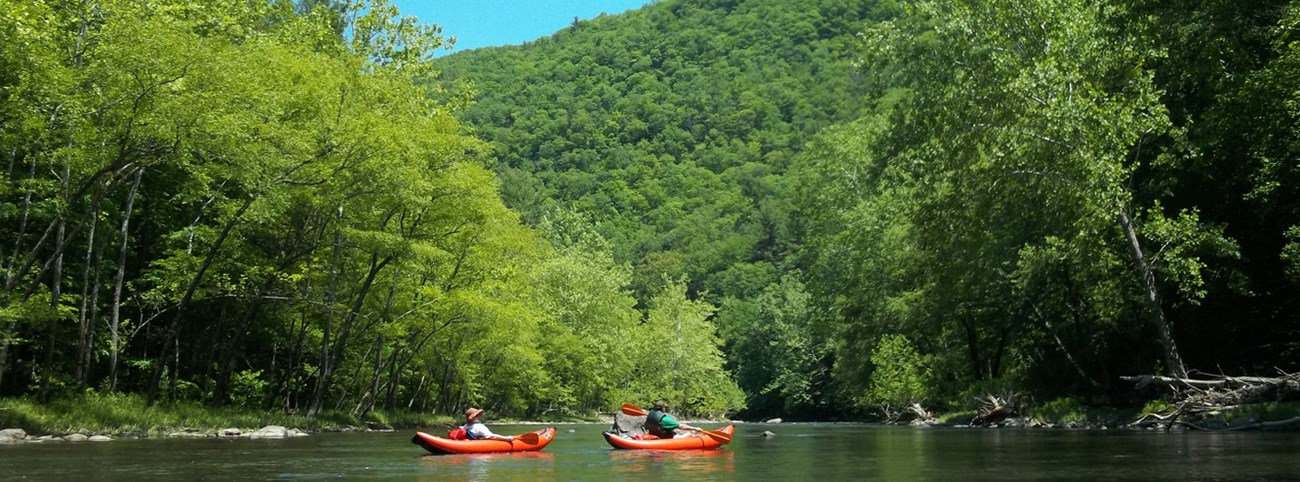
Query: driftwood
{"x": 995, "y": 409}
{"x": 1220, "y": 382}
{"x": 920, "y": 415}
{"x": 1214, "y": 394}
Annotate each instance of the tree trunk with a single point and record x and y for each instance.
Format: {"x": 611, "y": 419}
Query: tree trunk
{"x": 325, "y": 372}
{"x": 59, "y": 246}
{"x": 419, "y": 390}
{"x": 114, "y": 324}
{"x": 368, "y": 404}
{"x": 1151, "y": 297}
{"x": 56, "y": 292}
{"x": 21, "y": 232}
{"x": 10, "y": 276}
{"x": 86, "y": 322}
{"x": 368, "y": 400}
{"x": 972, "y": 345}
{"x": 172, "y": 341}
{"x": 1078, "y": 368}
{"x": 394, "y": 380}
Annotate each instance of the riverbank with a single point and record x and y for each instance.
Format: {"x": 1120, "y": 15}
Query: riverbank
{"x": 1070, "y": 415}
{"x": 100, "y": 417}
{"x": 128, "y": 416}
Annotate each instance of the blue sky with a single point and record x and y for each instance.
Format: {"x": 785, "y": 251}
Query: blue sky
{"x": 484, "y": 23}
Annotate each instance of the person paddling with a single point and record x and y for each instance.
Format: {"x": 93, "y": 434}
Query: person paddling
{"x": 475, "y": 429}
{"x": 660, "y": 424}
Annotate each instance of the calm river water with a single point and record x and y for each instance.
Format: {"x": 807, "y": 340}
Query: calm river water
{"x": 826, "y": 452}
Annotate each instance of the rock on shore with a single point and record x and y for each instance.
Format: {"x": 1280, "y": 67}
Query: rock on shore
{"x": 12, "y": 435}
{"x": 276, "y": 431}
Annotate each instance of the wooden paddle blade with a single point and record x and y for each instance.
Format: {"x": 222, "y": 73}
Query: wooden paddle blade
{"x": 719, "y": 436}
{"x": 634, "y": 410}
{"x": 528, "y": 438}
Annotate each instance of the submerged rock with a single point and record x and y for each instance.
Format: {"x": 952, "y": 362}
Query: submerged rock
{"x": 767, "y": 433}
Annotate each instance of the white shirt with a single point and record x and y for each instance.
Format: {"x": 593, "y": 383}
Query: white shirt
{"x": 478, "y": 431}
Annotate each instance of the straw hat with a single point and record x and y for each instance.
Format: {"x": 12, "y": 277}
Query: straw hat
{"x": 472, "y": 413}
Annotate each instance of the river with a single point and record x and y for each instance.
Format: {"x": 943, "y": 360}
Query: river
{"x": 823, "y": 452}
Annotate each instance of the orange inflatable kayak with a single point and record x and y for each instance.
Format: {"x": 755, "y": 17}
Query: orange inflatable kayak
{"x": 529, "y": 442}
{"x": 700, "y": 441}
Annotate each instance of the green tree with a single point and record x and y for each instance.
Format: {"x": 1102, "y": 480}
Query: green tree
{"x": 681, "y": 360}
{"x": 900, "y": 378}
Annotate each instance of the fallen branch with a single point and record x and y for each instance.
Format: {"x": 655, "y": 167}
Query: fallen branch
{"x": 1246, "y": 426}
{"x": 1145, "y": 380}
{"x": 1218, "y": 394}
{"x": 996, "y": 409}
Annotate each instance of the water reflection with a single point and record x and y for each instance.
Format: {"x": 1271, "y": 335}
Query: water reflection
{"x": 655, "y": 463}
{"x": 818, "y": 452}
{"x": 502, "y": 466}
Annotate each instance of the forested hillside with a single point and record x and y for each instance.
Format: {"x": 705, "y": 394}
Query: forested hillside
{"x": 808, "y": 208}
{"x": 927, "y": 201}
{"x": 672, "y": 128}
{"x": 256, "y": 204}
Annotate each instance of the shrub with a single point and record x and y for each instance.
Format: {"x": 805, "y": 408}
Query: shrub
{"x": 1157, "y": 406}
{"x": 248, "y": 389}
{"x": 900, "y": 378}
{"x": 1061, "y": 410}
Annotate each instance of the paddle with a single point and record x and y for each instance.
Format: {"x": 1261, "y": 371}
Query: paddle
{"x": 634, "y": 410}
{"x": 528, "y": 438}
{"x": 719, "y": 436}
{"x": 638, "y": 412}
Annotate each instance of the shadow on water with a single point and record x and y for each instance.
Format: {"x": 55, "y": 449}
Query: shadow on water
{"x": 666, "y": 463}
{"x": 488, "y": 466}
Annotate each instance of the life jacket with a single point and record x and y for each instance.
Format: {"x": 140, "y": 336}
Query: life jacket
{"x": 654, "y": 424}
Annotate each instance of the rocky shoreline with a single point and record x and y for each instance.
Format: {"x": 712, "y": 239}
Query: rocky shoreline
{"x": 18, "y": 435}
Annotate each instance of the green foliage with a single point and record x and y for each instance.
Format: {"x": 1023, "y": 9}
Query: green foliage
{"x": 682, "y": 362}
{"x": 670, "y": 126}
{"x": 121, "y": 413}
{"x": 302, "y": 226}
{"x": 900, "y": 378}
{"x": 248, "y": 389}
{"x": 979, "y": 208}
{"x": 1185, "y": 244}
{"x": 1059, "y": 411}
{"x": 1268, "y": 411}
{"x": 961, "y": 417}
{"x": 775, "y": 347}
{"x": 728, "y": 204}
{"x": 1159, "y": 406}
{"x": 1291, "y": 252}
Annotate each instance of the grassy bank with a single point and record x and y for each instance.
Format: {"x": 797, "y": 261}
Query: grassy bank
{"x": 129, "y": 414}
